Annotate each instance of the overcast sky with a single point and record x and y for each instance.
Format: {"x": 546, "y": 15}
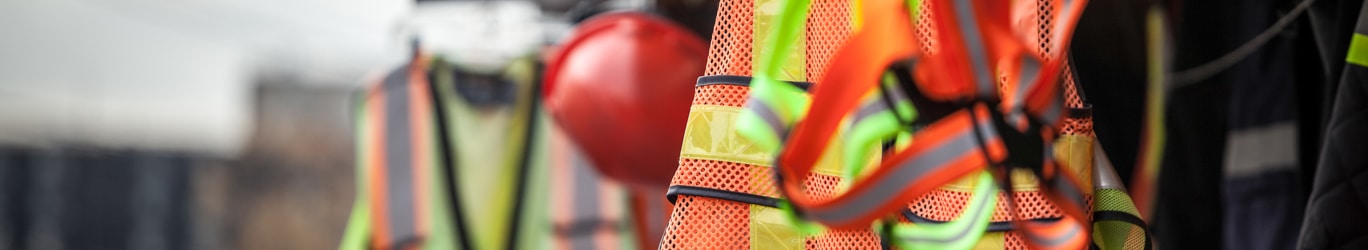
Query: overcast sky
{"x": 165, "y": 74}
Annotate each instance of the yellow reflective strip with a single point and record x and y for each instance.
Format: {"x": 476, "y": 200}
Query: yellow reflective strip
{"x": 1022, "y": 180}
{"x": 992, "y": 241}
{"x": 767, "y": 14}
{"x": 1076, "y": 153}
{"x": 710, "y": 134}
{"x": 1358, "y": 50}
{"x": 770, "y": 229}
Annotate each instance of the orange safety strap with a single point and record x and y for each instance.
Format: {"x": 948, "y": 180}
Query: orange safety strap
{"x": 956, "y": 144}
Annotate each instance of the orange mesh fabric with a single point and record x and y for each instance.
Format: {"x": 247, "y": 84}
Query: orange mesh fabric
{"x": 720, "y": 94}
{"x": 828, "y": 27}
{"x": 729, "y": 52}
{"x": 706, "y": 223}
{"x": 926, "y": 33}
{"x": 944, "y": 205}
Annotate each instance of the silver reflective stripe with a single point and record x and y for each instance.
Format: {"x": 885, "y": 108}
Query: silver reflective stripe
{"x": 870, "y": 108}
{"x": 983, "y": 80}
{"x": 1051, "y": 113}
{"x": 982, "y": 199}
{"x": 1073, "y": 230}
{"x": 586, "y": 200}
{"x": 1258, "y": 150}
{"x": 398, "y": 158}
{"x": 1069, "y": 191}
{"x": 1029, "y": 69}
{"x": 886, "y": 186}
{"x": 767, "y": 114}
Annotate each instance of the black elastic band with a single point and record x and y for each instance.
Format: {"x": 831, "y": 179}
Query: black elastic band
{"x": 1084, "y": 112}
{"x": 525, "y": 161}
{"x": 1105, "y": 215}
{"x": 997, "y": 226}
{"x": 677, "y": 190}
{"x": 448, "y": 156}
{"x": 743, "y": 81}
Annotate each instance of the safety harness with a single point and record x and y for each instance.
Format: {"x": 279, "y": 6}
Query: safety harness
{"x": 1010, "y": 130}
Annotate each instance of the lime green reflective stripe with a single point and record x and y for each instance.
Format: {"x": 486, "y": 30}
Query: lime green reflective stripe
{"x": 779, "y": 37}
{"x": 762, "y": 124}
{"x": 1358, "y": 50}
{"x": 962, "y": 233}
{"x": 358, "y": 225}
{"x": 875, "y": 122}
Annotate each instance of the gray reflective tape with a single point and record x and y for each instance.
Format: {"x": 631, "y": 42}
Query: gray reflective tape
{"x": 1071, "y": 192}
{"x": 1053, "y": 241}
{"x": 886, "y": 186}
{"x": 1029, "y": 69}
{"x": 772, "y": 119}
{"x": 869, "y": 109}
{"x": 1263, "y": 149}
{"x": 983, "y": 80}
{"x": 898, "y": 95}
{"x": 586, "y": 200}
{"x": 1052, "y": 112}
{"x": 399, "y": 158}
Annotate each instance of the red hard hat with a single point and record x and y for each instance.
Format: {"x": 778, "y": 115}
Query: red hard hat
{"x": 621, "y": 86}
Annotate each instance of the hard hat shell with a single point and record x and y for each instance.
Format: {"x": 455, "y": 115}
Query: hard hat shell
{"x": 621, "y": 86}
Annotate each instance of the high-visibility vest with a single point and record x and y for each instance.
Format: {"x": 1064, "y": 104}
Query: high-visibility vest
{"x": 723, "y": 192}
{"x": 435, "y": 172}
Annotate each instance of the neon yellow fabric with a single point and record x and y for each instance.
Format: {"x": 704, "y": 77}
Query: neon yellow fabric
{"x": 1358, "y": 50}
{"x": 358, "y": 225}
{"x": 1076, "y": 153}
{"x": 487, "y": 183}
{"x": 771, "y": 230}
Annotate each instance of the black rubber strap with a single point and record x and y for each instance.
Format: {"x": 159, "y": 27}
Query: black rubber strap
{"x": 1106, "y": 215}
{"x": 676, "y": 190}
{"x": 998, "y": 226}
{"x": 743, "y": 81}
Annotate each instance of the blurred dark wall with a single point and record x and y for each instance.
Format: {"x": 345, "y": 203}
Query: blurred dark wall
{"x": 83, "y": 198}
{"x": 291, "y": 188}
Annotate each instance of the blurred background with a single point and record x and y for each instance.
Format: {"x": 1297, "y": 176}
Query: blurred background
{"x": 228, "y": 124}
{"x": 150, "y": 124}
